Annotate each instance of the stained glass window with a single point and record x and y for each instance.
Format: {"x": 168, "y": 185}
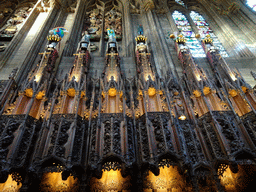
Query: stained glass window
{"x": 185, "y": 29}
{"x": 180, "y": 2}
{"x": 252, "y": 4}
{"x": 204, "y": 29}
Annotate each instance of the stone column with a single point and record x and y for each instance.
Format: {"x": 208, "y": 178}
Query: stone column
{"x": 248, "y": 29}
{"x": 165, "y": 46}
{"x": 176, "y": 32}
{"x": 129, "y": 41}
{"x": 36, "y": 46}
{"x": 191, "y": 22}
{"x": 236, "y": 45}
{"x": 76, "y": 28}
{"x": 246, "y": 11}
{"x": 151, "y": 31}
{"x": 172, "y": 23}
{"x": 19, "y": 36}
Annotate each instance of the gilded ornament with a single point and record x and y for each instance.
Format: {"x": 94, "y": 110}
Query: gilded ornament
{"x": 121, "y": 94}
{"x": 172, "y": 36}
{"x": 198, "y": 36}
{"x": 151, "y": 91}
{"x": 103, "y": 94}
{"x": 244, "y": 89}
{"x": 71, "y": 92}
{"x": 197, "y": 93}
{"x": 112, "y": 92}
{"x": 208, "y": 39}
{"x": 207, "y": 90}
{"x": 160, "y": 92}
{"x": 40, "y": 95}
{"x": 137, "y": 114}
{"x": 140, "y": 93}
{"x": 29, "y": 92}
{"x": 180, "y": 39}
{"x": 82, "y": 94}
{"x": 141, "y": 38}
{"x": 176, "y": 93}
{"x": 232, "y": 92}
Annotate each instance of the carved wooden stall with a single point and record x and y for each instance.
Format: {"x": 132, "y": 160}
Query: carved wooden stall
{"x": 112, "y": 142}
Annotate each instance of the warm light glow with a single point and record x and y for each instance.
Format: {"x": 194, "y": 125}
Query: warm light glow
{"x": 182, "y": 117}
{"x": 110, "y": 181}
{"x": 198, "y": 77}
{"x": 233, "y": 76}
{"x": 10, "y": 185}
{"x": 235, "y": 182}
{"x": 113, "y": 75}
{"x": 53, "y": 182}
{"x": 169, "y": 179}
{"x": 76, "y": 78}
{"x": 37, "y": 77}
{"x": 228, "y": 180}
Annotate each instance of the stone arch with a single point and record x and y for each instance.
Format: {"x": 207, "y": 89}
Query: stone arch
{"x": 177, "y": 8}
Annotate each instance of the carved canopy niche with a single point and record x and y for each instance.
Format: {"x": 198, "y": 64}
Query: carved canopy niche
{"x": 103, "y": 15}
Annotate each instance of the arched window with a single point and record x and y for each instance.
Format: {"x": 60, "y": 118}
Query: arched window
{"x": 252, "y": 4}
{"x": 204, "y": 29}
{"x": 180, "y": 2}
{"x": 186, "y": 30}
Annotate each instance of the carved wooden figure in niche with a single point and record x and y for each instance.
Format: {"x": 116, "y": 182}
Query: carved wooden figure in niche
{"x": 94, "y": 23}
{"x": 14, "y": 24}
{"x": 113, "y": 20}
